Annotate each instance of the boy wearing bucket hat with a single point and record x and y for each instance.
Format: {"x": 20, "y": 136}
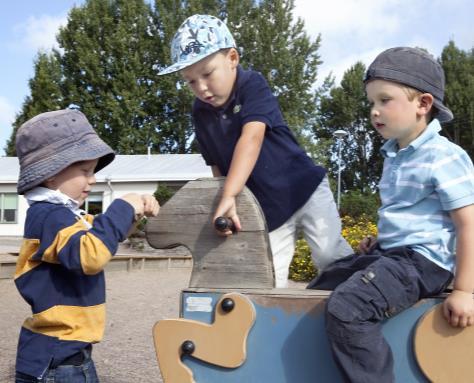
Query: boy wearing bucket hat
{"x": 59, "y": 270}
{"x": 242, "y": 135}
{"x": 425, "y": 221}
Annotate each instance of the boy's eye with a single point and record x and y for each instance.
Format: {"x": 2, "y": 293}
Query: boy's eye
{"x": 88, "y": 171}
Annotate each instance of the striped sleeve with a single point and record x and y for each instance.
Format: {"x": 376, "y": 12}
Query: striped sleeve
{"x": 79, "y": 249}
{"x": 454, "y": 179}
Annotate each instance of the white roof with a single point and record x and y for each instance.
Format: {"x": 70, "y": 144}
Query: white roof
{"x": 133, "y": 168}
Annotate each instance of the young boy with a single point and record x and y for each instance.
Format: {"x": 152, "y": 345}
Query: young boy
{"x": 425, "y": 223}
{"x": 59, "y": 271}
{"x": 242, "y": 135}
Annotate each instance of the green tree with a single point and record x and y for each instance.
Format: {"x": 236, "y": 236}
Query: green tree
{"x": 111, "y": 51}
{"x": 346, "y": 107}
{"x": 458, "y": 67}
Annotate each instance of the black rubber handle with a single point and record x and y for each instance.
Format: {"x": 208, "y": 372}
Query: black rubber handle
{"x": 223, "y": 224}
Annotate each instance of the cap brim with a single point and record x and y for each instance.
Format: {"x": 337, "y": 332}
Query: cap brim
{"x": 176, "y": 67}
{"x": 443, "y": 114}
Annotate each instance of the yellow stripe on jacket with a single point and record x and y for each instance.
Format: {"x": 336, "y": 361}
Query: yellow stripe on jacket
{"x": 84, "y": 324}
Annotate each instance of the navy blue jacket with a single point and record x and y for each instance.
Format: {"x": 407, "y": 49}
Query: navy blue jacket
{"x": 60, "y": 274}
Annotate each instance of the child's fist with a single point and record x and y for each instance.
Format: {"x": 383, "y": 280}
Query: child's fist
{"x": 137, "y": 203}
{"x": 151, "y": 206}
{"x": 144, "y": 204}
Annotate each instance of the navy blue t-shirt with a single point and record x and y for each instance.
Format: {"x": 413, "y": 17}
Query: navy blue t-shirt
{"x": 284, "y": 176}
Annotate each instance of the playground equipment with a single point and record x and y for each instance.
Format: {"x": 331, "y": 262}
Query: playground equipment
{"x": 235, "y": 327}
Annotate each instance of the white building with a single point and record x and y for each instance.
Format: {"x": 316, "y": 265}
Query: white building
{"x": 126, "y": 174}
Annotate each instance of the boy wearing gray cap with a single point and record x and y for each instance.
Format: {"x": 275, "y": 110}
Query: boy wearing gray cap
{"x": 59, "y": 270}
{"x": 242, "y": 135}
{"x": 425, "y": 221}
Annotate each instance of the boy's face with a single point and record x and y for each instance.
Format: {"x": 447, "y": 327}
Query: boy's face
{"x": 212, "y": 78}
{"x": 75, "y": 181}
{"x": 393, "y": 114}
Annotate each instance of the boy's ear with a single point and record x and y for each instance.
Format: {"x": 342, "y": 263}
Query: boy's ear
{"x": 234, "y": 57}
{"x": 425, "y": 103}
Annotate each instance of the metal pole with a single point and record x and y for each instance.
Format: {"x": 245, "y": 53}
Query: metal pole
{"x": 338, "y": 173}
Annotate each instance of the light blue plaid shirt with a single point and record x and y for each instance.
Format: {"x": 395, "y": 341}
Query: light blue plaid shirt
{"x": 420, "y": 184}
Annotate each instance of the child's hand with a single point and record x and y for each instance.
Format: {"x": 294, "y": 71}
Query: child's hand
{"x": 144, "y": 204}
{"x": 458, "y": 309}
{"x": 151, "y": 205}
{"x": 227, "y": 208}
{"x": 367, "y": 244}
{"x": 136, "y": 201}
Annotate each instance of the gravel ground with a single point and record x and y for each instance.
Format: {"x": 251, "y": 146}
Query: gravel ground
{"x": 135, "y": 301}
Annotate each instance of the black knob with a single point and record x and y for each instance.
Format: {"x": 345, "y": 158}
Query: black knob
{"x": 188, "y": 347}
{"x": 224, "y": 224}
{"x": 227, "y": 305}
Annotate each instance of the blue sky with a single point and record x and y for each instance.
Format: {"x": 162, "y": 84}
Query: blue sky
{"x": 351, "y": 30}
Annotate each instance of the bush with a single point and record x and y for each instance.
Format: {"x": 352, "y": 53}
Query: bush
{"x": 302, "y": 268}
{"x": 163, "y": 193}
{"x": 353, "y": 230}
{"x": 356, "y": 204}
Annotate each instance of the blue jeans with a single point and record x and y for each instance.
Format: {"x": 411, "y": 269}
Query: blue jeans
{"x": 367, "y": 290}
{"x": 63, "y": 373}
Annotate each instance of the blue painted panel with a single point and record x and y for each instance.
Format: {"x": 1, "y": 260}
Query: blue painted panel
{"x": 289, "y": 345}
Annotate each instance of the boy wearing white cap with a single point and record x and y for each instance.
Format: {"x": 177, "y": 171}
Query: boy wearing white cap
{"x": 59, "y": 270}
{"x": 242, "y": 135}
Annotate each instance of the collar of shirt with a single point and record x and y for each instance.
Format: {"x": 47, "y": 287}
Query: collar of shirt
{"x": 390, "y": 148}
{"x": 42, "y": 194}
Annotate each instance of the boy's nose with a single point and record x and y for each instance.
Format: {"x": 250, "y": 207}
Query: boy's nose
{"x": 92, "y": 179}
{"x": 201, "y": 86}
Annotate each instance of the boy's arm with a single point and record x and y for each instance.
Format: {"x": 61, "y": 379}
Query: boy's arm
{"x": 459, "y": 305}
{"x": 88, "y": 250}
{"x": 245, "y": 156}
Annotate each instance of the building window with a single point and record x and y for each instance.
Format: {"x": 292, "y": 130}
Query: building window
{"x": 93, "y": 204}
{"x": 8, "y": 208}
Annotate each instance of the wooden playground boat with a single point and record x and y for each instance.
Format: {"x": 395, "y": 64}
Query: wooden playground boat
{"x": 234, "y": 326}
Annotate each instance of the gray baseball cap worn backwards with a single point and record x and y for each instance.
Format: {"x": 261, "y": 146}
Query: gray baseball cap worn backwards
{"x": 415, "y": 68}
{"x": 52, "y": 141}
{"x": 198, "y": 36}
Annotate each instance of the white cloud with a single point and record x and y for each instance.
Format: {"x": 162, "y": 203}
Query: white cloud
{"x": 357, "y": 30}
{"x": 39, "y": 33}
{"x": 351, "y": 18}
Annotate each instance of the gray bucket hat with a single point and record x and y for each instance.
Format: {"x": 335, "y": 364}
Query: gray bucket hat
{"x": 198, "y": 36}
{"x": 51, "y": 141}
{"x": 415, "y": 68}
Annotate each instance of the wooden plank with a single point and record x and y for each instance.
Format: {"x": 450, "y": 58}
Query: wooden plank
{"x": 241, "y": 260}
